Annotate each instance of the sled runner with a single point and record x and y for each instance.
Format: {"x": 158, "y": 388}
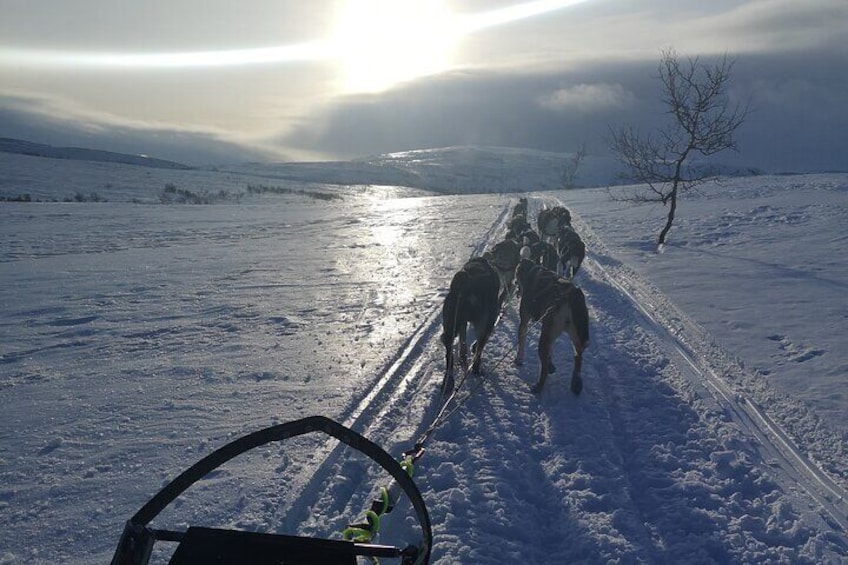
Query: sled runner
{"x": 201, "y": 545}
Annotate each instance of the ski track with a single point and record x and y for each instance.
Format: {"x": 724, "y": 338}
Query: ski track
{"x": 393, "y": 396}
{"x": 700, "y": 368}
{"x": 615, "y": 463}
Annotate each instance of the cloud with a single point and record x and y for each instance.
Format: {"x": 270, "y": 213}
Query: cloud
{"x": 480, "y": 108}
{"x": 797, "y": 121}
{"x": 56, "y": 121}
{"x": 587, "y": 98}
{"x": 772, "y": 26}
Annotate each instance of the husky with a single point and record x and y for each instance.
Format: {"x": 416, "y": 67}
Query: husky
{"x": 517, "y": 226}
{"x": 544, "y": 253}
{"x": 552, "y": 220}
{"x": 571, "y": 251}
{"x": 541, "y": 251}
{"x": 561, "y": 307}
{"x": 520, "y": 208}
{"x": 504, "y": 257}
{"x": 548, "y": 257}
{"x": 473, "y": 298}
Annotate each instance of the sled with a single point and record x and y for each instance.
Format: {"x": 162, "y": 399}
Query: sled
{"x": 202, "y": 545}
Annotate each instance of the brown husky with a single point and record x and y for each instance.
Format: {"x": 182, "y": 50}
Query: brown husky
{"x": 561, "y": 307}
{"x": 473, "y": 299}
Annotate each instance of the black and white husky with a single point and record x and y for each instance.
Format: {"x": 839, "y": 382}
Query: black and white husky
{"x": 504, "y": 257}
{"x": 473, "y": 298}
{"x": 552, "y": 220}
{"x": 571, "y": 251}
{"x": 561, "y": 307}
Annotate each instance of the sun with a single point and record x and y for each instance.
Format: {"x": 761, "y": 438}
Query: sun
{"x": 376, "y": 44}
{"x": 380, "y": 43}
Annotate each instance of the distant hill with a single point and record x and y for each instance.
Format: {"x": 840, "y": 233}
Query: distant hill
{"x": 449, "y": 170}
{"x": 446, "y": 170}
{"x": 22, "y": 147}
{"x": 467, "y": 170}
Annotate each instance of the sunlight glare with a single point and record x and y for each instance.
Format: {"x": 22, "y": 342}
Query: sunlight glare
{"x": 514, "y": 13}
{"x": 380, "y": 43}
{"x": 376, "y": 43}
{"x": 287, "y": 53}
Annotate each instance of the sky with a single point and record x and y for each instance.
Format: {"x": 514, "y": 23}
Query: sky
{"x": 202, "y": 82}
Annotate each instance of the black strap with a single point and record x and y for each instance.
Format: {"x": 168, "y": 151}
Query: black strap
{"x": 281, "y": 432}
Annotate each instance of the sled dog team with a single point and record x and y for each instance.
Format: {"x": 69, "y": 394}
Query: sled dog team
{"x": 542, "y": 264}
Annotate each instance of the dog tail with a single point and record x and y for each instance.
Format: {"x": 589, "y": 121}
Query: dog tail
{"x": 449, "y": 311}
{"x": 580, "y": 314}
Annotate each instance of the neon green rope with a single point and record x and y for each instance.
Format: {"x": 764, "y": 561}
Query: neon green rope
{"x": 384, "y": 498}
{"x": 366, "y": 532}
{"x": 408, "y": 466}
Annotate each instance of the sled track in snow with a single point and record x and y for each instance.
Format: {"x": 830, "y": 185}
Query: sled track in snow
{"x": 402, "y": 399}
{"x": 773, "y": 442}
{"x": 404, "y": 369}
{"x": 396, "y": 387}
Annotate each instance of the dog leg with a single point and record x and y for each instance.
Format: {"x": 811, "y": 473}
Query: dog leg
{"x": 576, "y": 379}
{"x": 448, "y": 383}
{"x": 546, "y": 343}
{"x": 481, "y": 342}
{"x": 463, "y": 347}
{"x": 554, "y": 334}
{"x": 447, "y": 379}
{"x": 579, "y": 346}
{"x": 522, "y": 337}
{"x": 476, "y": 356}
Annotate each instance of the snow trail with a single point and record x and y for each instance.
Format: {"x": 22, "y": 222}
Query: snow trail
{"x": 704, "y": 364}
{"x": 392, "y": 411}
{"x": 648, "y": 464}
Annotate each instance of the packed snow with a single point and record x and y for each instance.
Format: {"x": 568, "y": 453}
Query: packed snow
{"x": 138, "y": 335}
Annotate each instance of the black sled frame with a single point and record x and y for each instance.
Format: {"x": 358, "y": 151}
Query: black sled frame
{"x": 202, "y": 546}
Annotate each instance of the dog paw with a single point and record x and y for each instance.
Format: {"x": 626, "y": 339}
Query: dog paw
{"x": 576, "y": 385}
{"x": 448, "y": 384}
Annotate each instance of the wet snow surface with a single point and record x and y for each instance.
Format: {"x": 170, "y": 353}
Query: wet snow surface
{"x": 137, "y": 338}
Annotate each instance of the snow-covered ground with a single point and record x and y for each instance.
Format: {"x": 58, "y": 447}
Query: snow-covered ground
{"x": 137, "y": 337}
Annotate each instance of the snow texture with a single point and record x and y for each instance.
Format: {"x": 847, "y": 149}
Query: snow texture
{"x": 137, "y": 337}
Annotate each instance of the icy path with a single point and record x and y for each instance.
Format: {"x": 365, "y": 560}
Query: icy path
{"x": 658, "y": 461}
{"x": 173, "y": 330}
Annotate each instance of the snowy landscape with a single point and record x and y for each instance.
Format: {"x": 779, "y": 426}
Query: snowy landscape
{"x": 140, "y": 333}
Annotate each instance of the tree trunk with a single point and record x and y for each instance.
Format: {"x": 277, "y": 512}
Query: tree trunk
{"x": 670, "y": 218}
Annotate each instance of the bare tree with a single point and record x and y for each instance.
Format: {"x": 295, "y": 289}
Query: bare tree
{"x": 704, "y": 122}
{"x": 569, "y": 171}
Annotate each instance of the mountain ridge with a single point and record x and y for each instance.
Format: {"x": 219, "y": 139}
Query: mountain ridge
{"x": 459, "y": 169}
{"x": 24, "y": 147}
